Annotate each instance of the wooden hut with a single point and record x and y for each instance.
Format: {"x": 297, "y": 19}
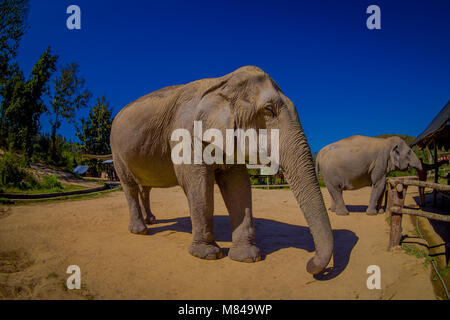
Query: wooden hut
{"x": 436, "y": 136}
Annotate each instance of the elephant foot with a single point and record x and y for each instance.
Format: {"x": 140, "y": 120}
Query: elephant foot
{"x": 206, "y": 251}
{"x": 380, "y": 211}
{"x": 150, "y": 220}
{"x": 342, "y": 212}
{"x": 245, "y": 253}
{"x": 371, "y": 212}
{"x": 138, "y": 228}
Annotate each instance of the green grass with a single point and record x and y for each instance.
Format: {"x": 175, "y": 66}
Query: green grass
{"x": 419, "y": 254}
{"x": 322, "y": 183}
{"x": 411, "y": 172}
{"x": 65, "y": 188}
{"x": 440, "y": 180}
{"x": 76, "y": 197}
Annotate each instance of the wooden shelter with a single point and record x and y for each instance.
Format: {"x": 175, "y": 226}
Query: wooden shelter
{"x": 436, "y": 135}
{"x": 107, "y": 165}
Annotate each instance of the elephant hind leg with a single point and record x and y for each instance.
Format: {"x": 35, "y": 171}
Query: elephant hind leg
{"x": 333, "y": 202}
{"x": 131, "y": 190}
{"x": 234, "y": 185}
{"x": 338, "y": 199}
{"x": 144, "y": 194}
{"x": 136, "y": 225}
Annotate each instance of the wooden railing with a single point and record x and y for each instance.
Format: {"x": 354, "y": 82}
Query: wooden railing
{"x": 396, "y": 192}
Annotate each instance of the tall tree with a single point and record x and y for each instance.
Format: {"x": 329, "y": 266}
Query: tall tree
{"x": 13, "y": 14}
{"x": 96, "y": 129}
{"x": 22, "y": 103}
{"x": 69, "y": 95}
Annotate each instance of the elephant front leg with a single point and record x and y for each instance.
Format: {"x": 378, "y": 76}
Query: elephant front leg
{"x": 234, "y": 185}
{"x": 376, "y": 196}
{"x": 380, "y": 200}
{"x": 198, "y": 184}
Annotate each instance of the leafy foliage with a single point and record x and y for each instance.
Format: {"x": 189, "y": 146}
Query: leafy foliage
{"x": 69, "y": 96}
{"x": 11, "y": 170}
{"x": 22, "y": 104}
{"x": 14, "y": 176}
{"x": 51, "y": 182}
{"x": 13, "y": 14}
{"x": 67, "y": 154}
{"x": 13, "y": 173}
{"x": 95, "y": 131}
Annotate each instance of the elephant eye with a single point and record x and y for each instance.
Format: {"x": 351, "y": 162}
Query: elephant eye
{"x": 268, "y": 110}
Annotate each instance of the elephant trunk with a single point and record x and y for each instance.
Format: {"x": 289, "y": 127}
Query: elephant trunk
{"x": 300, "y": 173}
{"x": 415, "y": 162}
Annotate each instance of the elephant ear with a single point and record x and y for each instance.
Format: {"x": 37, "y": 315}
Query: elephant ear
{"x": 214, "y": 109}
{"x": 395, "y": 158}
{"x": 216, "y": 115}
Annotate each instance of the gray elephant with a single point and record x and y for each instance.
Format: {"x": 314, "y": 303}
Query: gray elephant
{"x": 360, "y": 161}
{"x": 246, "y": 98}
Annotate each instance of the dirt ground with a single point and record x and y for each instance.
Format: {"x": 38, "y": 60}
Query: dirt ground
{"x": 38, "y": 242}
{"x": 39, "y": 170}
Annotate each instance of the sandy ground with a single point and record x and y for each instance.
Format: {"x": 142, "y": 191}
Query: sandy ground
{"x": 38, "y": 242}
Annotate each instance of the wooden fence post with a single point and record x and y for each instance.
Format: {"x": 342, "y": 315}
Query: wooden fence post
{"x": 396, "y": 199}
{"x": 386, "y": 195}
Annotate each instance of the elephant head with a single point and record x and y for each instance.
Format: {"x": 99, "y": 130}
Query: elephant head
{"x": 249, "y": 98}
{"x": 401, "y": 156}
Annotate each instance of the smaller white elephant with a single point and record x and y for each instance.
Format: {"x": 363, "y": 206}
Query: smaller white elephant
{"x": 360, "y": 161}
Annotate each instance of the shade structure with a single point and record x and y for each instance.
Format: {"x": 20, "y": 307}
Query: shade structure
{"x": 438, "y": 131}
{"x": 81, "y": 169}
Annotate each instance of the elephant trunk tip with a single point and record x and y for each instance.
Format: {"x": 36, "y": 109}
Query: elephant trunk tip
{"x": 419, "y": 166}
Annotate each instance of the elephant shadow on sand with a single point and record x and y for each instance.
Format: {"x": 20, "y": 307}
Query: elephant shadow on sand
{"x": 272, "y": 236}
{"x": 356, "y": 208}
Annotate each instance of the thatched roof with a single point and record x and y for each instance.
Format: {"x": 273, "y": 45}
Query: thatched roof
{"x": 438, "y": 130}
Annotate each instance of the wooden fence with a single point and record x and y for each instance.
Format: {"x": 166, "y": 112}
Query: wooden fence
{"x": 396, "y": 192}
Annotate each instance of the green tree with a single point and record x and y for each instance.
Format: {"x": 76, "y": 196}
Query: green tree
{"x": 22, "y": 103}
{"x": 96, "y": 129}
{"x": 69, "y": 95}
{"x": 13, "y": 14}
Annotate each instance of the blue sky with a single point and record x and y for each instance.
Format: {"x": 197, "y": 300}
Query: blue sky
{"x": 343, "y": 78}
